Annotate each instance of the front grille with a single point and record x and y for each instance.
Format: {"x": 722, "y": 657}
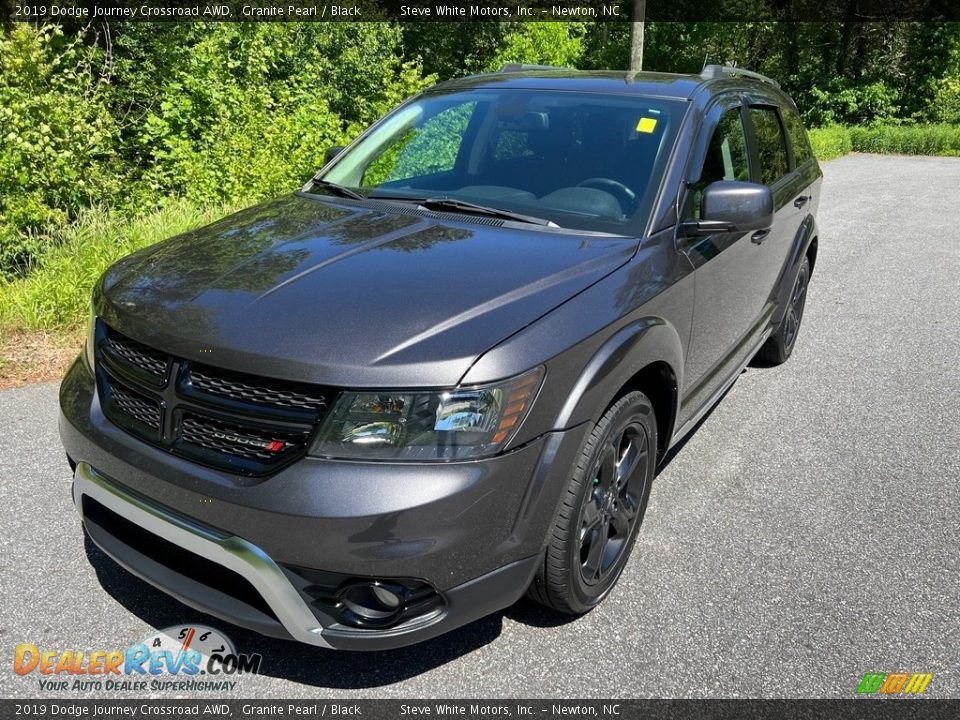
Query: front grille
{"x": 140, "y": 356}
{"x": 238, "y": 440}
{"x": 246, "y": 424}
{"x": 138, "y": 407}
{"x": 262, "y": 391}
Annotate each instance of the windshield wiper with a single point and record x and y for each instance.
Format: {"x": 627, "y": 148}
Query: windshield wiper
{"x": 464, "y": 206}
{"x": 335, "y": 189}
{"x": 446, "y": 203}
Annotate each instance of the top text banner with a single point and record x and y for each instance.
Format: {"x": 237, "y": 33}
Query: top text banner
{"x": 485, "y": 11}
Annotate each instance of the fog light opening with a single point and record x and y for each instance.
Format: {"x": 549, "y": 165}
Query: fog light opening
{"x": 372, "y": 603}
{"x": 387, "y": 598}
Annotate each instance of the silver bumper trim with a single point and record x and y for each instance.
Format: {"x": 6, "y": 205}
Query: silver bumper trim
{"x": 233, "y": 553}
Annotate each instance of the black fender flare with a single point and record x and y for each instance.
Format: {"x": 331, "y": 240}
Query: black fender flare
{"x": 628, "y": 351}
{"x": 791, "y": 268}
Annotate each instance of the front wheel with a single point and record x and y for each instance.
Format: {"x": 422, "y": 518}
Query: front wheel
{"x": 601, "y": 511}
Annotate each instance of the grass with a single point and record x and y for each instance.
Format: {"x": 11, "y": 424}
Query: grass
{"x": 42, "y": 316}
{"x": 907, "y": 139}
{"x": 55, "y": 296}
{"x": 830, "y": 142}
{"x": 836, "y": 140}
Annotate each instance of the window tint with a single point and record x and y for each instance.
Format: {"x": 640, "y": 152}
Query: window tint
{"x": 726, "y": 158}
{"x": 771, "y": 144}
{"x": 798, "y": 137}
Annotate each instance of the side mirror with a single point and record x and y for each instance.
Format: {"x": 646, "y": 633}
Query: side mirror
{"x": 332, "y": 153}
{"x": 732, "y": 206}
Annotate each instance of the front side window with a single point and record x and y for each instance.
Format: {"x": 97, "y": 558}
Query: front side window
{"x": 771, "y": 144}
{"x": 582, "y": 160}
{"x": 726, "y": 159}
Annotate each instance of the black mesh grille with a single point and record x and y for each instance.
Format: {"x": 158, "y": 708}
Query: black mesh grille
{"x": 262, "y": 391}
{"x": 238, "y": 440}
{"x": 246, "y": 424}
{"x": 135, "y": 405}
{"x": 137, "y": 354}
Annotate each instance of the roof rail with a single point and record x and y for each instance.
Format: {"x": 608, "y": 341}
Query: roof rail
{"x": 710, "y": 72}
{"x": 524, "y": 67}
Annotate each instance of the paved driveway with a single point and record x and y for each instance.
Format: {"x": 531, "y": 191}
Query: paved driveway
{"x": 807, "y": 533}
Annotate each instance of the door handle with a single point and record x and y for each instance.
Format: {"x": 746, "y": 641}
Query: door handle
{"x": 759, "y": 236}
{"x": 801, "y": 201}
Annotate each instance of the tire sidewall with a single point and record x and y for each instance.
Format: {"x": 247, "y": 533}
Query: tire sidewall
{"x": 636, "y": 409}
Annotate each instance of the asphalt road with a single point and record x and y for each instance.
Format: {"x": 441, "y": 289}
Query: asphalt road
{"x": 807, "y": 533}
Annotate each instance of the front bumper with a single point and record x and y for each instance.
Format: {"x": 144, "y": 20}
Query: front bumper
{"x": 473, "y": 531}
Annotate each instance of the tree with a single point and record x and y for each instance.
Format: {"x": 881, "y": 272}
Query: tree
{"x": 636, "y": 35}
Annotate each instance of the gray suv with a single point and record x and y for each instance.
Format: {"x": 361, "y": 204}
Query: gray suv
{"x": 443, "y": 373}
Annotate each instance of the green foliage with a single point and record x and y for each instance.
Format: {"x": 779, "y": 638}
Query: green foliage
{"x": 56, "y": 296}
{"x": 903, "y": 139}
{"x": 541, "y": 43}
{"x": 907, "y": 139}
{"x": 830, "y": 142}
{"x": 840, "y": 101}
{"x": 946, "y": 102}
{"x": 209, "y": 112}
{"x": 253, "y": 107}
{"x": 56, "y": 141}
{"x": 454, "y": 49}
{"x": 838, "y": 72}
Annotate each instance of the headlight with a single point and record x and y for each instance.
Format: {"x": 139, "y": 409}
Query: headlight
{"x": 453, "y": 425}
{"x": 90, "y": 342}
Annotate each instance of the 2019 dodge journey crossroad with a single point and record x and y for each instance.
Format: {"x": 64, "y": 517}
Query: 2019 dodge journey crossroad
{"x": 443, "y": 373}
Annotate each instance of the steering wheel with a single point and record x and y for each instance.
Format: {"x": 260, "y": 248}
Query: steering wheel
{"x": 621, "y": 192}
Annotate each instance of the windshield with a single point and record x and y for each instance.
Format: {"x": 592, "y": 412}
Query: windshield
{"x": 581, "y": 160}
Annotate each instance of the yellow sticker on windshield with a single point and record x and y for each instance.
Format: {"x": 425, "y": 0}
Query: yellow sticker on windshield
{"x": 647, "y": 125}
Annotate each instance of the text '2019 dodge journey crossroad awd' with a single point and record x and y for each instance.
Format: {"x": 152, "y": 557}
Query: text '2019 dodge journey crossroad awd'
{"x": 443, "y": 373}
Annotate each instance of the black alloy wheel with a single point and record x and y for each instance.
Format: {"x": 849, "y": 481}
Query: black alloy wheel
{"x": 602, "y": 509}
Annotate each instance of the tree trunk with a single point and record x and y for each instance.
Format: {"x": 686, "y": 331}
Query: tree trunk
{"x": 636, "y": 35}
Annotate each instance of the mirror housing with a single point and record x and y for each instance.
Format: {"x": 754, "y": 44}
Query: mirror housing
{"x": 332, "y": 153}
{"x": 729, "y": 206}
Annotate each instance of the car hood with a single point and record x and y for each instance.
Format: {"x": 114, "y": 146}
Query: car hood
{"x": 349, "y": 295}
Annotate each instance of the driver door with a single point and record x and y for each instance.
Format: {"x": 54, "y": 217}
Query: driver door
{"x": 729, "y": 301}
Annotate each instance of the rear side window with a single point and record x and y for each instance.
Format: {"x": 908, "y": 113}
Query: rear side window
{"x": 798, "y": 138}
{"x": 771, "y": 144}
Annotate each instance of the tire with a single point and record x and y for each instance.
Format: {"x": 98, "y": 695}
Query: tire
{"x": 595, "y": 526}
{"x": 779, "y": 346}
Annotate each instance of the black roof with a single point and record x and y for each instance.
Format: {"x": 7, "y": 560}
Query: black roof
{"x": 648, "y": 84}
